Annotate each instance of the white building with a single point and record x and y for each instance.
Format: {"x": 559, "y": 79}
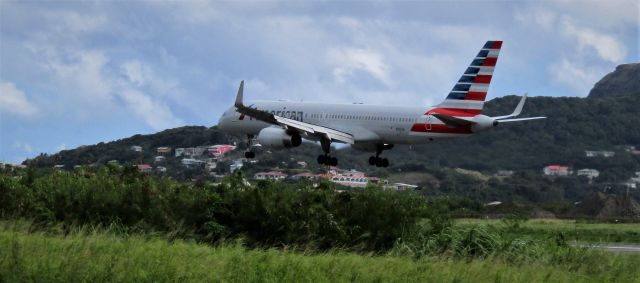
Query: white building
{"x": 190, "y": 151}
{"x": 589, "y": 173}
{"x": 236, "y": 165}
{"x": 271, "y": 175}
{"x": 159, "y": 159}
{"x": 163, "y": 150}
{"x": 601, "y": 153}
{"x": 210, "y": 166}
{"x": 191, "y": 162}
{"x": 136, "y": 148}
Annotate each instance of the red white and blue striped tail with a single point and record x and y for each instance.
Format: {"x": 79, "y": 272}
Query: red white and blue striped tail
{"x": 467, "y": 96}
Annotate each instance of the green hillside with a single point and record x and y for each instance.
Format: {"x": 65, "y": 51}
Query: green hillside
{"x": 607, "y": 120}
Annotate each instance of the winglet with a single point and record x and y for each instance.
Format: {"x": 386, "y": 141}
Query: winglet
{"x": 240, "y": 94}
{"x": 517, "y": 111}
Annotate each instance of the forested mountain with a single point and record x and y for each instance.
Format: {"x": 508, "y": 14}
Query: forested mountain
{"x": 606, "y": 120}
{"x": 120, "y": 150}
{"x": 625, "y": 80}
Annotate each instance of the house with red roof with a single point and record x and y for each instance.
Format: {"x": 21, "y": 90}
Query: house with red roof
{"x": 556, "y": 170}
{"x": 145, "y": 168}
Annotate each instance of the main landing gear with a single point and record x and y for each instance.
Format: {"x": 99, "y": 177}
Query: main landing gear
{"x": 377, "y": 160}
{"x": 326, "y": 159}
{"x": 249, "y": 154}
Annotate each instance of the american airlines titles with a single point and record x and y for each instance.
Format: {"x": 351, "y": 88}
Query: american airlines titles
{"x": 289, "y": 114}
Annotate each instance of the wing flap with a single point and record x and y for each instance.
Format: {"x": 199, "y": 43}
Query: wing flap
{"x": 306, "y": 128}
{"x": 312, "y": 129}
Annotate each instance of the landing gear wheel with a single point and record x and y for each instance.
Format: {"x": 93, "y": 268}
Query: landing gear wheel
{"x": 333, "y": 161}
{"x": 385, "y": 162}
{"x": 249, "y": 154}
{"x": 372, "y": 160}
{"x": 322, "y": 159}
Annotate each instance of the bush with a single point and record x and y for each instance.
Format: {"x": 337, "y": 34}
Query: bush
{"x": 266, "y": 214}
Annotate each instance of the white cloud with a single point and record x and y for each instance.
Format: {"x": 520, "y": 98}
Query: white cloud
{"x": 541, "y": 17}
{"x": 607, "y": 47}
{"x": 83, "y": 74}
{"x": 136, "y": 72}
{"x": 73, "y": 22}
{"x": 348, "y": 60}
{"x": 24, "y": 147}
{"x": 154, "y": 113}
{"x": 12, "y": 100}
{"x": 577, "y": 78}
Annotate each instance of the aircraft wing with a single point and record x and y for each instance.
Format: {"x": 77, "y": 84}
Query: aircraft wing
{"x": 302, "y": 127}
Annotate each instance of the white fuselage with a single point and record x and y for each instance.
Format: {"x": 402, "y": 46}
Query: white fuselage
{"x": 367, "y": 123}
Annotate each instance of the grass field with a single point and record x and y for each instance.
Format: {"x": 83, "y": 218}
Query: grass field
{"x": 95, "y": 256}
{"x": 573, "y": 230}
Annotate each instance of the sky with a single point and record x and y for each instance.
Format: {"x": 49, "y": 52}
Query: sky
{"x": 77, "y": 73}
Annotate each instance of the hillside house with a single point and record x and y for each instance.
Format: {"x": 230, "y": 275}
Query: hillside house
{"x": 159, "y": 159}
{"x": 633, "y": 182}
{"x": 191, "y": 162}
{"x": 271, "y": 175}
{"x": 210, "y": 166}
{"x": 589, "y": 173}
{"x": 237, "y": 164}
{"x": 401, "y": 187}
{"x": 144, "y": 168}
{"x": 305, "y": 176}
{"x": 190, "y": 151}
{"x": 556, "y": 170}
{"x": 163, "y": 150}
{"x": 161, "y": 169}
{"x": 504, "y": 173}
{"x": 601, "y": 153}
{"x": 220, "y": 149}
{"x": 136, "y": 148}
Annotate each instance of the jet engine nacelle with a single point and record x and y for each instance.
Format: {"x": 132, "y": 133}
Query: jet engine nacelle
{"x": 482, "y": 123}
{"x": 278, "y": 138}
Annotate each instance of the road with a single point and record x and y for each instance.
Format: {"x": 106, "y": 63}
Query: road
{"x": 614, "y": 247}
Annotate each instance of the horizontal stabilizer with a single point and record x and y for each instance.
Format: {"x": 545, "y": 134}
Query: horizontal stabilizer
{"x": 520, "y": 119}
{"x": 453, "y": 121}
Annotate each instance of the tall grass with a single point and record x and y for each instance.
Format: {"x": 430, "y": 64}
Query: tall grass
{"x": 100, "y": 256}
{"x": 265, "y": 214}
{"x": 571, "y": 230}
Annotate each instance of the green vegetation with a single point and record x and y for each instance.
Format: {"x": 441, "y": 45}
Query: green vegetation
{"x": 115, "y": 224}
{"x": 266, "y": 214}
{"x": 101, "y": 256}
{"x": 571, "y": 230}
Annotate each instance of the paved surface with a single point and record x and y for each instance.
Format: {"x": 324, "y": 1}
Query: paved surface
{"x": 615, "y": 247}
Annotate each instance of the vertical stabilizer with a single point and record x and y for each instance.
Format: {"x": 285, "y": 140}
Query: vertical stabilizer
{"x": 468, "y": 95}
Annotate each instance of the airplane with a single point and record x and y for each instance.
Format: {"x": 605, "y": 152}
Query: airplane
{"x": 374, "y": 128}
